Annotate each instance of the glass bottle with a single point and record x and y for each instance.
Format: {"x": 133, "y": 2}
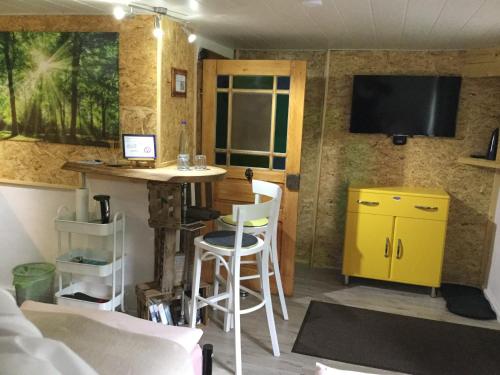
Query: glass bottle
{"x": 183, "y": 157}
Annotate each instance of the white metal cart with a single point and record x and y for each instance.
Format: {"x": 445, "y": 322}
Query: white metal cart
{"x": 93, "y": 264}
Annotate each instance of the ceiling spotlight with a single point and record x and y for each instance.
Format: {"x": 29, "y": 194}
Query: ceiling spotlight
{"x": 191, "y": 38}
{"x": 194, "y": 5}
{"x": 190, "y": 35}
{"x": 119, "y": 13}
{"x": 157, "y": 31}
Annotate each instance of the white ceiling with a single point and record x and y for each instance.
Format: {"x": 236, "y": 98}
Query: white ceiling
{"x": 316, "y": 24}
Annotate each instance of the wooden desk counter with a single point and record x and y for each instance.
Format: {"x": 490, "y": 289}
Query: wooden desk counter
{"x": 168, "y": 174}
{"x": 165, "y": 206}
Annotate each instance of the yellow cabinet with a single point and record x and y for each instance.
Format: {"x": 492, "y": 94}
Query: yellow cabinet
{"x": 396, "y": 234}
{"x": 367, "y": 247}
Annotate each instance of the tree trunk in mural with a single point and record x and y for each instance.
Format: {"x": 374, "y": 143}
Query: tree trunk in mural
{"x": 8, "y": 49}
{"x": 103, "y": 118}
{"x": 76, "y": 51}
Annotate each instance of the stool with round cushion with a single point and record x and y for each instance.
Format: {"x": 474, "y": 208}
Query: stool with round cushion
{"x": 228, "y": 247}
{"x": 256, "y": 227}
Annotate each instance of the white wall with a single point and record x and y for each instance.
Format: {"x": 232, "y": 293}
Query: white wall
{"x": 27, "y": 228}
{"x": 493, "y": 286}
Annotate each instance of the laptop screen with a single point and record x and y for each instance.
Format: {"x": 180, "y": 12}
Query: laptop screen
{"x": 139, "y": 146}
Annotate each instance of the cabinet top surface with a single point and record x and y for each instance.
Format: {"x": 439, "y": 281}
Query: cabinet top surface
{"x": 404, "y": 190}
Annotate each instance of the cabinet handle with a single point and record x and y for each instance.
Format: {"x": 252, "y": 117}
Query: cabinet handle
{"x": 368, "y": 203}
{"x": 399, "y": 253}
{"x": 387, "y": 245}
{"x": 426, "y": 208}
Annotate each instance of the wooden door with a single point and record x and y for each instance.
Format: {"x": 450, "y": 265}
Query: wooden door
{"x": 417, "y": 256}
{"x": 252, "y": 125}
{"x": 367, "y": 246}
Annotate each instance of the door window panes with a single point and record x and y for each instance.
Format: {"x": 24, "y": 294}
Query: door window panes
{"x": 279, "y": 163}
{"x": 251, "y": 121}
{"x": 283, "y": 83}
{"x": 221, "y": 120}
{"x": 222, "y": 82}
{"x": 243, "y": 160}
{"x": 220, "y": 158}
{"x": 281, "y": 123}
{"x": 253, "y": 82}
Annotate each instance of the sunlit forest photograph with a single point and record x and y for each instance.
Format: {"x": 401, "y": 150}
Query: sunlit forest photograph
{"x": 59, "y": 87}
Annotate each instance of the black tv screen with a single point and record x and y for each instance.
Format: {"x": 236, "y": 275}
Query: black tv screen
{"x": 405, "y": 105}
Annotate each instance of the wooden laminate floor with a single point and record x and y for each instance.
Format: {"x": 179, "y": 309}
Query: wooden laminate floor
{"x": 322, "y": 285}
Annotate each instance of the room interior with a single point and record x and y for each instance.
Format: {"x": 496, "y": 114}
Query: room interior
{"x": 366, "y": 256}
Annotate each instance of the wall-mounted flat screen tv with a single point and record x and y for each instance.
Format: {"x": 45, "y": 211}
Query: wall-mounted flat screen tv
{"x": 405, "y": 105}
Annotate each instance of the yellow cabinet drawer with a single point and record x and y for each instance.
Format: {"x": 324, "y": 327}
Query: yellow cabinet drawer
{"x": 423, "y": 208}
{"x": 370, "y": 203}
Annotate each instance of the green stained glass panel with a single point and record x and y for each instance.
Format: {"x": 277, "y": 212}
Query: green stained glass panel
{"x": 281, "y": 124}
{"x": 220, "y": 158}
{"x": 279, "y": 162}
{"x": 253, "y": 82}
{"x": 283, "y": 83}
{"x": 221, "y": 121}
{"x": 222, "y": 82}
{"x": 243, "y": 160}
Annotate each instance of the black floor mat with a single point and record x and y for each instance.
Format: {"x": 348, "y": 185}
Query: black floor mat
{"x": 398, "y": 343}
{"x": 467, "y": 301}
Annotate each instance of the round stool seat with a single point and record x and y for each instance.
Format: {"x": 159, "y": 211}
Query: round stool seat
{"x": 225, "y": 238}
{"x": 228, "y": 219}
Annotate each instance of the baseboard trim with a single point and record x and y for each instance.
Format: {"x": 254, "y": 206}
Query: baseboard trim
{"x": 495, "y": 303}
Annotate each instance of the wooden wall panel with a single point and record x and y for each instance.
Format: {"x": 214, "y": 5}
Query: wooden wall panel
{"x": 373, "y": 160}
{"x": 177, "y": 53}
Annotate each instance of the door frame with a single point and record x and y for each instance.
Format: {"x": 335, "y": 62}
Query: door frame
{"x": 297, "y": 72}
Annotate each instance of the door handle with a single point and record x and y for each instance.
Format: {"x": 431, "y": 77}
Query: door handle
{"x": 249, "y": 174}
{"x": 399, "y": 253}
{"x": 368, "y": 203}
{"x": 427, "y": 208}
{"x": 387, "y": 245}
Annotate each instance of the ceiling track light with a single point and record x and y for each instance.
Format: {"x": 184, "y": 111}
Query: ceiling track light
{"x": 120, "y": 13}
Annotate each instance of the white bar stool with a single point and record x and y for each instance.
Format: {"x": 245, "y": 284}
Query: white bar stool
{"x": 234, "y": 245}
{"x": 256, "y": 227}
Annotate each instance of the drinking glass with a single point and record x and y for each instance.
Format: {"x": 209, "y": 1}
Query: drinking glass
{"x": 183, "y": 162}
{"x": 200, "y": 162}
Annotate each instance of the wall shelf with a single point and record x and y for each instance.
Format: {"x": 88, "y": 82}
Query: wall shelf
{"x": 493, "y": 164}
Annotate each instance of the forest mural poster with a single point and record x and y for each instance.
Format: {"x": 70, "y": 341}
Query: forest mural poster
{"x": 59, "y": 87}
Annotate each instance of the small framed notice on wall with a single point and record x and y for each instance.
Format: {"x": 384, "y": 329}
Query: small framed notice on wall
{"x": 179, "y": 82}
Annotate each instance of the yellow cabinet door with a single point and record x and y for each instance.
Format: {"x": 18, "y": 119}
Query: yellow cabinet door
{"x": 367, "y": 246}
{"x": 417, "y": 255}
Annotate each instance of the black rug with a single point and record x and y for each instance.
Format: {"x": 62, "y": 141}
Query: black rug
{"x": 398, "y": 343}
{"x": 467, "y": 301}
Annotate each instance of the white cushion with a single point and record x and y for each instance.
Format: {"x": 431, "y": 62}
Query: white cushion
{"x": 35, "y": 355}
{"x": 12, "y": 320}
{"x": 23, "y": 350}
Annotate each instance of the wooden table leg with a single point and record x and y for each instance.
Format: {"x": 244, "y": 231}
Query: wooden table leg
{"x": 168, "y": 279}
{"x": 165, "y": 218}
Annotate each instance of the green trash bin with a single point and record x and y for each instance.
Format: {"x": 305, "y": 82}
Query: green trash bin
{"x": 34, "y": 281}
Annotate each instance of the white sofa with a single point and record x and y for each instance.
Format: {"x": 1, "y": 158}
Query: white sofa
{"x": 58, "y": 339}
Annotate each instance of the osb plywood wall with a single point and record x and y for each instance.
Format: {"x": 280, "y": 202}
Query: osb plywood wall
{"x": 179, "y": 54}
{"x": 373, "y": 160}
{"x": 41, "y": 162}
